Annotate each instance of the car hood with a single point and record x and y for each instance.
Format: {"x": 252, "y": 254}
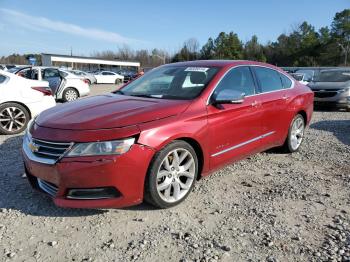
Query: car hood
{"x": 328, "y": 85}
{"x": 109, "y": 111}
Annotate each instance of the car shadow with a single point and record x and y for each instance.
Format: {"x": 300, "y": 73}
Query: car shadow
{"x": 16, "y": 192}
{"x": 340, "y": 129}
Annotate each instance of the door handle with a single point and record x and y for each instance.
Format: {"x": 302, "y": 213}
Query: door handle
{"x": 255, "y": 103}
{"x": 285, "y": 97}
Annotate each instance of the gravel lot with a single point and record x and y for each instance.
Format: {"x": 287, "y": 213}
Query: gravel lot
{"x": 270, "y": 207}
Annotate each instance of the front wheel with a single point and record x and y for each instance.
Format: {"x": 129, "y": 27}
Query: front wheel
{"x": 295, "y": 134}
{"x": 171, "y": 175}
{"x": 70, "y": 94}
{"x": 13, "y": 118}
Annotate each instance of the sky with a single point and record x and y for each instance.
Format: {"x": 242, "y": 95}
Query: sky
{"x": 86, "y": 26}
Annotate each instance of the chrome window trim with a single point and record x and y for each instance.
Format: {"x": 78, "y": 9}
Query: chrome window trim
{"x": 242, "y": 144}
{"x": 234, "y": 67}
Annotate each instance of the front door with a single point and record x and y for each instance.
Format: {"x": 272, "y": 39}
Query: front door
{"x": 234, "y": 129}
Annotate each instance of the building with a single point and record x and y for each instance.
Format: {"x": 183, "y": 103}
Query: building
{"x": 87, "y": 63}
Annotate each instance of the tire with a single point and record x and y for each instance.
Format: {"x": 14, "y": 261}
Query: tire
{"x": 118, "y": 81}
{"x": 70, "y": 94}
{"x": 295, "y": 134}
{"x": 165, "y": 186}
{"x": 18, "y": 118}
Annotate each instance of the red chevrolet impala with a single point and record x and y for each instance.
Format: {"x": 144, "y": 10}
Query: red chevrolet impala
{"x": 152, "y": 139}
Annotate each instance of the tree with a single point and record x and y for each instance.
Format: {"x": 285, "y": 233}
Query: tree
{"x": 188, "y": 52}
{"x": 228, "y": 46}
{"x": 253, "y": 50}
{"x": 340, "y": 30}
{"x": 208, "y": 50}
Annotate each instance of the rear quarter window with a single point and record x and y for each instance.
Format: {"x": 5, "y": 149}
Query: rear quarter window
{"x": 269, "y": 79}
{"x": 286, "y": 82}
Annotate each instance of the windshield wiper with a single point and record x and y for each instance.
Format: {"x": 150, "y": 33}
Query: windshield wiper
{"x": 119, "y": 92}
{"x": 145, "y": 95}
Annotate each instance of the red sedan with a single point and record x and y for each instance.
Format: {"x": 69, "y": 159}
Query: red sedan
{"x": 152, "y": 139}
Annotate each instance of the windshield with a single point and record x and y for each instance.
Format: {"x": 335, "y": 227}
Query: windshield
{"x": 298, "y": 77}
{"x": 308, "y": 74}
{"x": 171, "y": 82}
{"x": 14, "y": 69}
{"x": 333, "y": 76}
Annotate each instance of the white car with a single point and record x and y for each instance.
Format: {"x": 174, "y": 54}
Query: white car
{"x": 90, "y": 77}
{"x": 108, "y": 77}
{"x": 64, "y": 85}
{"x": 21, "y": 100}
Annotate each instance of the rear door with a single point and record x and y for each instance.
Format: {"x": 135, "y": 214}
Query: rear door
{"x": 274, "y": 98}
{"x": 53, "y": 76}
{"x": 234, "y": 129}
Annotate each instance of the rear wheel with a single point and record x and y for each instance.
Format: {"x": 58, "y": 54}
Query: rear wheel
{"x": 172, "y": 175}
{"x": 118, "y": 81}
{"x": 70, "y": 94}
{"x": 295, "y": 134}
{"x": 13, "y": 118}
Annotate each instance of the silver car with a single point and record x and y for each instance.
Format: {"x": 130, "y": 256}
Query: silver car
{"x": 332, "y": 88}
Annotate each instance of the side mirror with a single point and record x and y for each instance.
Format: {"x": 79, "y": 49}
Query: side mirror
{"x": 227, "y": 96}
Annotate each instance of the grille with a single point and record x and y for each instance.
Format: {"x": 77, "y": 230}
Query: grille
{"x": 50, "y": 150}
{"x": 325, "y": 94}
{"x": 47, "y": 187}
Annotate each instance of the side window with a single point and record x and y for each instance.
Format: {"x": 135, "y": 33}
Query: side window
{"x": 286, "y": 82}
{"x": 269, "y": 79}
{"x": 239, "y": 79}
{"x": 49, "y": 73}
{"x": 2, "y": 79}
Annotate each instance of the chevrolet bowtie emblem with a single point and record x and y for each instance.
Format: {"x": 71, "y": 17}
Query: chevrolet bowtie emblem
{"x": 33, "y": 147}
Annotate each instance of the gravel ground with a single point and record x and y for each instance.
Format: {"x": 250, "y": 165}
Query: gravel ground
{"x": 270, "y": 207}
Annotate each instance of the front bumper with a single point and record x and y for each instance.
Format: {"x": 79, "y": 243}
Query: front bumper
{"x": 125, "y": 174}
{"x": 332, "y": 98}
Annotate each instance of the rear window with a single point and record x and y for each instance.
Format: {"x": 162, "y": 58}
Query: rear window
{"x": 333, "y": 76}
{"x": 269, "y": 79}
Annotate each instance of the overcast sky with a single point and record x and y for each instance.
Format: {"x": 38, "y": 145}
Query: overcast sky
{"x": 36, "y": 26}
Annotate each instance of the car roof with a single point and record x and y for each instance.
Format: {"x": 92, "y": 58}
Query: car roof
{"x": 222, "y": 63}
{"x": 336, "y": 70}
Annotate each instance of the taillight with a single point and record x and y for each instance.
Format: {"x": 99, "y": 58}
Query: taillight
{"x": 44, "y": 90}
{"x": 86, "y": 81}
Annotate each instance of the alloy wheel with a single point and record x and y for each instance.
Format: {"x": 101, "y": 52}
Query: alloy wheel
{"x": 176, "y": 175}
{"x": 71, "y": 95}
{"x": 297, "y": 133}
{"x": 12, "y": 119}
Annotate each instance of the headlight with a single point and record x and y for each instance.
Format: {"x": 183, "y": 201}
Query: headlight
{"x": 116, "y": 147}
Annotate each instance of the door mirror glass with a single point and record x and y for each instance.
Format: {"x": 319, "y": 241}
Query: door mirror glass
{"x": 228, "y": 96}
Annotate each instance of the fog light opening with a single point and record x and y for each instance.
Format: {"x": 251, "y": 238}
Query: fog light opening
{"x": 93, "y": 193}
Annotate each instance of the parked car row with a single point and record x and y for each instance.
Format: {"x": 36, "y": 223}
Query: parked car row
{"x": 64, "y": 85}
